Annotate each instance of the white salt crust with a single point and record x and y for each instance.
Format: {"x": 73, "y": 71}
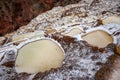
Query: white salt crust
{"x": 85, "y": 62}
{"x": 36, "y": 39}
{"x": 106, "y": 28}
{"x": 103, "y": 29}
{"x": 54, "y": 17}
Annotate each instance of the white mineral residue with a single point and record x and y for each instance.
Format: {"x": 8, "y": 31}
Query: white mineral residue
{"x": 111, "y": 28}
{"x": 82, "y": 64}
{"x": 80, "y": 59}
{"x": 40, "y": 58}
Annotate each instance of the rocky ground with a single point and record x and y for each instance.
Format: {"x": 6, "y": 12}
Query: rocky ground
{"x": 82, "y": 60}
{"x": 14, "y": 14}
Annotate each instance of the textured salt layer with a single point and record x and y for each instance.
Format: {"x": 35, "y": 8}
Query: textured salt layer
{"x": 81, "y": 62}
{"x": 111, "y": 70}
{"x": 87, "y": 13}
{"x": 112, "y": 28}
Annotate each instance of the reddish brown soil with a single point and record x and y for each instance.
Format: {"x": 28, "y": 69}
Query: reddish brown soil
{"x": 16, "y": 13}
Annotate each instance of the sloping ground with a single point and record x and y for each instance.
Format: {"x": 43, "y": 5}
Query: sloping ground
{"x": 16, "y": 13}
{"x": 82, "y": 61}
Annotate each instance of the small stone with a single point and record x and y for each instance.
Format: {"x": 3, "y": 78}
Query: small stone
{"x": 99, "y": 22}
{"x": 94, "y": 48}
{"x": 9, "y": 64}
{"x": 102, "y": 50}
